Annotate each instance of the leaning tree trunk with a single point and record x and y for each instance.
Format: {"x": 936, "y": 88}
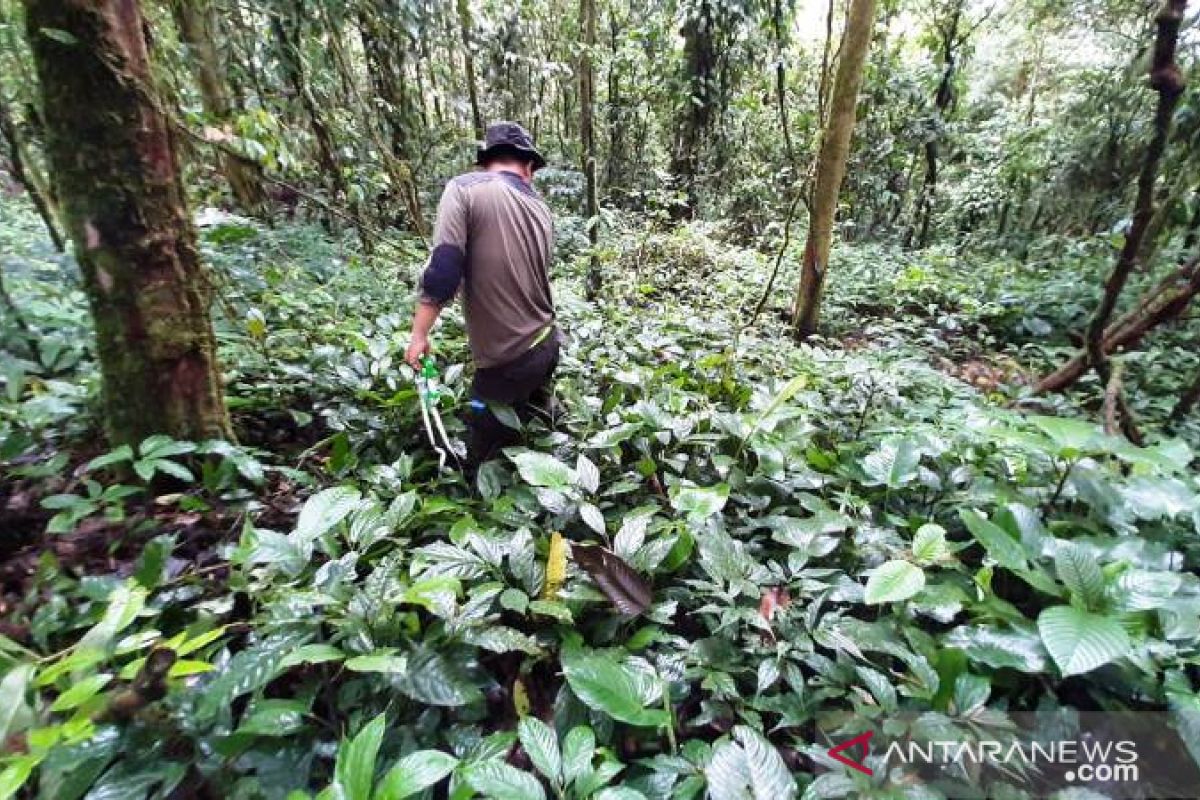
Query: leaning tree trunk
{"x": 196, "y": 21}
{"x": 26, "y": 174}
{"x": 464, "y": 30}
{"x": 1167, "y": 80}
{"x": 831, "y": 166}
{"x": 113, "y": 162}
{"x": 587, "y": 14}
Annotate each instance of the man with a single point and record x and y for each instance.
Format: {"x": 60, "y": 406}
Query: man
{"x": 494, "y": 238}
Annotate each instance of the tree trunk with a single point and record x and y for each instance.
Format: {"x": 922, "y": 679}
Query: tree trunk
{"x": 1167, "y": 81}
{"x": 781, "y": 81}
{"x": 286, "y": 25}
{"x": 26, "y": 175}
{"x": 113, "y": 161}
{"x": 696, "y": 111}
{"x": 587, "y": 20}
{"x": 943, "y": 97}
{"x": 384, "y": 63}
{"x": 613, "y": 173}
{"x": 831, "y": 166}
{"x": 464, "y": 28}
{"x": 197, "y": 26}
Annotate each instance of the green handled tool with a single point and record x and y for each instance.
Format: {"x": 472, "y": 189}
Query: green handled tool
{"x": 429, "y": 390}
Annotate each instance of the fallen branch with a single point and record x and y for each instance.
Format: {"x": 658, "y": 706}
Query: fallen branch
{"x": 1167, "y": 301}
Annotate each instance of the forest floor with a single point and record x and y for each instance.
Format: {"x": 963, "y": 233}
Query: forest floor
{"x": 834, "y": 531}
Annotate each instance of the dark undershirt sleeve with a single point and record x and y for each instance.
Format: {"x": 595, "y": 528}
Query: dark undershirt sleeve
{"x": 447, "y": 264}
{"x": 443, "y": 275}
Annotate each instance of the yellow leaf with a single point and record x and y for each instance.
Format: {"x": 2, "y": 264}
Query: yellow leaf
{"x": 556, "y": 566}
{"x": 520, "y": 695}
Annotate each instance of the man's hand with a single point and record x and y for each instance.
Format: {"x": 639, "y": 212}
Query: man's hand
{"x": 418, "y": 346}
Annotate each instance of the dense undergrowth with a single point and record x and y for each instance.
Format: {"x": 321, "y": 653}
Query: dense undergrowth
{"x": 841, "y": 536}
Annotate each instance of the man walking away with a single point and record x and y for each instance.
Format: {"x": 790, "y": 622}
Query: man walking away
{"x": 494, "y": 238}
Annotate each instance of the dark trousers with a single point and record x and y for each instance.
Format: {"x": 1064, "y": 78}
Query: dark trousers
{"x": 524, "y": 384}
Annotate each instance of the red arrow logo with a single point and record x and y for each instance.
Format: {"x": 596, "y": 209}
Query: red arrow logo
{"x": 865, "y": 740}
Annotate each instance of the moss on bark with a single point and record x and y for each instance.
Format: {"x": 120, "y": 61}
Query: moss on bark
{"x": 113, "y": 162}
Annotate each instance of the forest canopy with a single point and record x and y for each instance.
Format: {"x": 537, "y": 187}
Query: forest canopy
{"x": 600, "y": 399}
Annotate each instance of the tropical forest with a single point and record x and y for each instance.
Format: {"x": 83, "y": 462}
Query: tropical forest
{"x": 599, "y": 399}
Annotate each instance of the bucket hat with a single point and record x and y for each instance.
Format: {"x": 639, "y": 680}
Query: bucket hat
{"x": 502, "y": 137}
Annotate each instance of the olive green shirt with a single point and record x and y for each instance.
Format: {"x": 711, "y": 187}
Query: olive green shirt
{"x": 501, "y": 231}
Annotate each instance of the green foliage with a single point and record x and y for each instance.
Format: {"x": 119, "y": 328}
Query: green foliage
{"x": 832, "y": 536}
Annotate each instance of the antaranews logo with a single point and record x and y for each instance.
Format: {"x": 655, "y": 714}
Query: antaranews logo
{"x": 863, "y": 739}
{"x": 1121, "y": 755}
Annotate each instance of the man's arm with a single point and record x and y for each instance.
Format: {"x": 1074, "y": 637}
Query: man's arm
{"x": 418, "y": 340}
{"x": 443, "y": 274}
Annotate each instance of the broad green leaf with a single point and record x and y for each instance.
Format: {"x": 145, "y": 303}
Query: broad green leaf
{"x": 275, "y": 718}
{"x": 500, "y": 781}
{"x": 437, "y": 680}
{"x": 290, "y": 555}
{"x": 415, "y": 773}
{"x": 541, "y": 745}
{"x": 15, "y": 713}
{"x": 929, "y": 543}
{"x": 502, "y": 639}
{"x": 311, "y": 654}
{"x": 770, "y": 778}
{"x": 592, "y": 517}
{"x": 998, "y": 648}
{"x": 894, "y": 463}
{"x": 354, "y": 772}
{"x": 1080, "y": 571}
{"x": 699, "y": 502}
{"x": 81, "y": 692}
{"x": 540, "y": 469}
{"x": 632, "y": 535}
{"x": 324, "y": 510}
{"x": 786, "y": 393}
{"x": 1004, "y": 549}
{"x": 618, "y": 793}
{"x": 122, "y": 453}
{"x": 186, "y": 667}
{"x": 18, "y": 771}
{"x": 607, "y": 685}
{"x": 159, "y": 446}
{"x": 587, "y": 475}
{"x": 893, "y": 581}
{"x": 124, "y": 604}
{"x": 1080, "y": 641}
{"x": 578, "y": 750}
{"x": 727, "y": 773}
{"x": 384, "y": 663}
{"x": 1071, "y": 436}
{"x": 248, "y": 671}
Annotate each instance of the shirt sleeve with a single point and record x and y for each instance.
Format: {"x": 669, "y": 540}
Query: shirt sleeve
{"x": 444, "y": 271}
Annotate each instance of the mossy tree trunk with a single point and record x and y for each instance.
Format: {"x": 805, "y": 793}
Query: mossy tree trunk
{"x": 587, "y": 79}
{"x": 466, "y": 32}
{"x": 112, "y": 159}
{"x": 831, "y": 166}
{"x": 198, "y": 30}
